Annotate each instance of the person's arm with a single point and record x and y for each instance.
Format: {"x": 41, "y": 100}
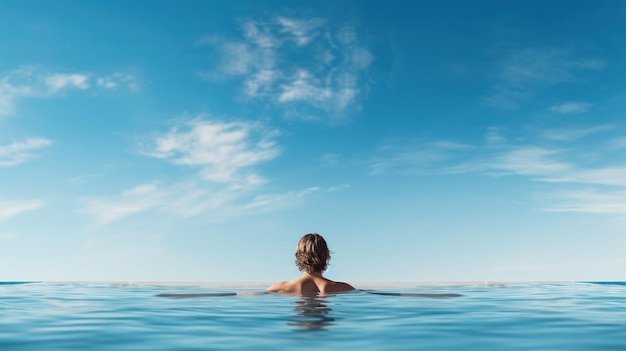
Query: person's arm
{"x": 373, "y": 292}
{"x": 238, "y": 293}
{"x": 276, "y": 287}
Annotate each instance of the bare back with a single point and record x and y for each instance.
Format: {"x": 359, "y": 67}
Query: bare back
{"x": 309, "y": 285}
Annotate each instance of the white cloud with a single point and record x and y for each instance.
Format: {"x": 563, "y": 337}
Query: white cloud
{"x": 304, "y": 87}
{"x": 118, "y": 80}
{"x": 572, "y": 167}
{"x": 32, "y": 82}
{"x": 60, "y": 81}
{"x": 537, "y": 163}
{"x": 591, "y": 201}
{"x": 260, "y": 82}
{"x": 182, "y": 200}
{"x": 270, "y": 202}
{"x": 618, "y": 143}
{"x": 612, "y": 176}
{"x": 224, "y": 151}
{"x": 498, "y": 156}
{"x": 8, "y": 95}
{"x": 225, "y": 155}
{"x": 302, "y": 32}
{"x": 10, "y": 209}
{"x": 412, "y": 157}
{"x": 260, "y": 34}
{"x": 16, "y": 85}
{"x": 325, "y": 71}
{"x": 19, "y": 152}
{"x": 334, "y": 94}
{"x": 575, "y": 133}
{"x": 570, "y": 107}
{"x": 553, "y": 166}
{"x": 528, "y": 160}
{"x": 132, "y": 201}
{"x": 243, "y": 59}
{"x": 190, "y": 198}
{"x": 547, "y": 165}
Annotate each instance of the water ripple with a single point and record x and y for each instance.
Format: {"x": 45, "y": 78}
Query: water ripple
{"x": 517, "y": 317}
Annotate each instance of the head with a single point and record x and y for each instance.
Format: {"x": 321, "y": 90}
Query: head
{"x": 312, "y": 254}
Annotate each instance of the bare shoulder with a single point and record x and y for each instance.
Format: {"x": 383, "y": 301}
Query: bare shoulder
{"x": 338, "y": 287}
{"x": 277, "y": 287}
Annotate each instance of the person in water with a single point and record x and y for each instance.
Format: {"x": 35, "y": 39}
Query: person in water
{"x": 312, "y": 257}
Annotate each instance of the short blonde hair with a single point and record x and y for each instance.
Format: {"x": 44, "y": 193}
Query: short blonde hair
{"x": 312, "y": 254}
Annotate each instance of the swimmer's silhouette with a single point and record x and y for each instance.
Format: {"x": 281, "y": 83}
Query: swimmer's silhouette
{"x": 312, "y": 258}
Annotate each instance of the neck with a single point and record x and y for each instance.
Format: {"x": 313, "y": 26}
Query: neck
{"x": 313, "y": 274}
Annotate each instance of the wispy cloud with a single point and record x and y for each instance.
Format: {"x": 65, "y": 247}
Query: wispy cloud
{"x": 493, "y": 136}
{"x": 591, "y": 201}
{"x": 328, "y": 75}
{"x": 611, "y": 176}
{"x": 569, "y": 134}
{"x": 33, "y": 82}
{"x": 618, "y": 143}
{"x": 188, "y": 199}
{"x": 302, "y": 32}
{"x": 552, "y": 166}
{"x": 223, "y": 151}
{"x": 527, "y": 160}
{"x": 270, "y": 202}
{"x": 185, "y": 199}
{"x": 224, "y": 157}
{"x": 594, "y": 184}
{"x": 16, "y": 85}
{"x": 59, "y": 81}
{"x": 526, "y": 70}
{"x": 10, "y": 209}
{"x": 570, "y": 107}
{"x": 546, "y": 66}
{"x": 413, "y": 157}
{"x": 118, "y": 80}
{"x": 21, "y": 151}
{"x": 136, "y": 200}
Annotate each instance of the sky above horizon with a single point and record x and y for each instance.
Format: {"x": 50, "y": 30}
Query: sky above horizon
{"x": 197, "y": 141}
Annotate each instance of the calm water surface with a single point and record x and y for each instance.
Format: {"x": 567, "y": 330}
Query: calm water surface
{"x": 578, "y": 316}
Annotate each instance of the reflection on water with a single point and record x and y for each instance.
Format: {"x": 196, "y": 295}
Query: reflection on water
{"x": 312, "y": 313}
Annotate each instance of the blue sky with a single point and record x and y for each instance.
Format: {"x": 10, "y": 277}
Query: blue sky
{"x": 197, "y": 141}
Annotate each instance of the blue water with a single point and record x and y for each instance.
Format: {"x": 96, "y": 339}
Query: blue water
{"x": 582, "y": 316}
